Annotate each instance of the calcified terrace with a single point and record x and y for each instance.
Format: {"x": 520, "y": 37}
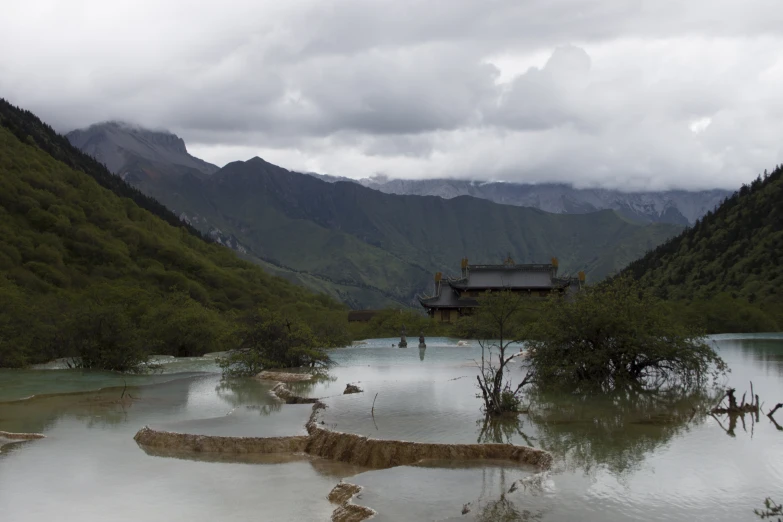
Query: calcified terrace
{"x": 344, "y": 447}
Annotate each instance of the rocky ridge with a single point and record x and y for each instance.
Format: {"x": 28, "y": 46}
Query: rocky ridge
{"x": 116, "y": 143}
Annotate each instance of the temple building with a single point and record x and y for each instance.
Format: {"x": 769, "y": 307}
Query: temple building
{"x": 455, "y": 297}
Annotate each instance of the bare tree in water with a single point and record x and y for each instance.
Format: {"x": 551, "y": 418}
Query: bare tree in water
{"x": 498, "y": 325}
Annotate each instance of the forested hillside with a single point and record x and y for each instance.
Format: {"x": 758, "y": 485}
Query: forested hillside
{"x": 729, "y": 262}
{"x": 28, "y": 128}
{"x": 85, "y": 270}
{"x": 363, "y": 247}
{"x": 372, "y": 249}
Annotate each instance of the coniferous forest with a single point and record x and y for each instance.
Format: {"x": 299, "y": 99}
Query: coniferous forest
{"x": 725, "y": 271}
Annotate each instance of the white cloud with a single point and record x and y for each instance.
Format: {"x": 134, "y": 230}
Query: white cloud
{"x": 698, "y": 125}
{"x": 609, "y": 93}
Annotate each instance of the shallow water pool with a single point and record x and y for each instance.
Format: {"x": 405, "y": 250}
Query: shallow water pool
{"x": 616, "y": 458}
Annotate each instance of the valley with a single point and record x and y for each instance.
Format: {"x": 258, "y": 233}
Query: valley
{"x": 364, "y": 247}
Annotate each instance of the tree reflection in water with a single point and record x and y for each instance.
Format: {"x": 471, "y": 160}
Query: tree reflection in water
{"x": 256, "y": 395}
{"x": 244, "y": 392}
{"x": 502, "y": 430}
{"x": 504, "y": 510}
{"x": 614, "y": 430}
{"x": 586, "y": 432}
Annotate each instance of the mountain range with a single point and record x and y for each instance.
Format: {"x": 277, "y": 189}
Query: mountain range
{"x": 363, "y": 246}
{"x": 678, "y": 207}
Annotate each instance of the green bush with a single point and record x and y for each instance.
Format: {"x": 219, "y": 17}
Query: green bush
{"x": 618, "y": 335}
{"x": 105, "y": 337}
{"x": 389, "y": 323}
{"x": 183, "y": 327}
{"x": 268, "y": 340}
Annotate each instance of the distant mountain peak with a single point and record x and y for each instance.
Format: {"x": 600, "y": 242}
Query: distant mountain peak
{"x": 117, "y": 143}
{"x": 672, "y": 206}
{"x": 162, "y": 137}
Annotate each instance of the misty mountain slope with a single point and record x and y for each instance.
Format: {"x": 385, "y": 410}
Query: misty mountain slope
{"x": 27, "y": 127}
{"x": 75, "y": 245}
{"x": 274, "y": 221}
{"x": 674, "y": 206}
{"x": 157, "y": 162}
{"x": 354, "y": 235}
{"x": 368, "y": 248}
{"x": 179, "y": 186}
{"x": 119, "y": 146}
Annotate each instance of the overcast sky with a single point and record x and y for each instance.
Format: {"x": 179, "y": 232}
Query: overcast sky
{"x": 612, "y": 93}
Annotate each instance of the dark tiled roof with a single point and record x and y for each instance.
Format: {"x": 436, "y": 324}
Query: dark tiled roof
{"x": 483, "y": 277}
{"x": 447, "y": 298}
{"x": 536, "y": 277}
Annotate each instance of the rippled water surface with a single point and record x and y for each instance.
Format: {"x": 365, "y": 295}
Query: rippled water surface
{"x": 634, "y": 457}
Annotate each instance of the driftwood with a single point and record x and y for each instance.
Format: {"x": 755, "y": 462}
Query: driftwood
{"x": 772, "y": 418}
{"x": 737, "y": 409}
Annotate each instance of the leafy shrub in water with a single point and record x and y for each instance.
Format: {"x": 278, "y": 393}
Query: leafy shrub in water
{"x": 268, "y": 340}
{"x": 618, "y": 334}
{"x": 389, "y": 322}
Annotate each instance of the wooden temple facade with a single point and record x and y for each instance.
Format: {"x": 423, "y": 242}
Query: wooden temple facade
{"x": 456, "y": 296}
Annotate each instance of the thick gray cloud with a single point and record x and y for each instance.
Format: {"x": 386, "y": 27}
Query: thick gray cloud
{"x": 635, "y": 95}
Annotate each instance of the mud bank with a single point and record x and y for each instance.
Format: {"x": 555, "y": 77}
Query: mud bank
{"x": 346, "y": 511}
{"x": 215, "y": 444}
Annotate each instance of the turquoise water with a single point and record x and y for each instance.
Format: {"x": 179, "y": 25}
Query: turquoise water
{"x": 616, "y": 458}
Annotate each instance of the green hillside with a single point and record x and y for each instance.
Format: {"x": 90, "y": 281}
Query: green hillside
{"x": 371, "y": 249}
{"x": 363, "y": 247}
{"x": 83, "y": 268}
{"x": 727, "y": 266}
{"x": 28, "y": 128}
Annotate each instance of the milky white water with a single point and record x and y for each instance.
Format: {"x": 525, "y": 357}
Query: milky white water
{"x": 615, "y": 458}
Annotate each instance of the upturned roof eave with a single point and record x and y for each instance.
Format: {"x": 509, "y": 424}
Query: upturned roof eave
{"x": 466, "y": 286}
